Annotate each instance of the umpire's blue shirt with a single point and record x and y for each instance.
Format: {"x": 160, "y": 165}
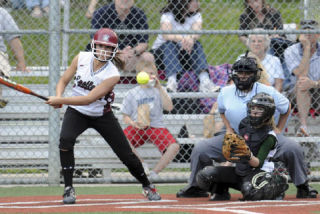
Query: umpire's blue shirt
{"x": 234, "y": 105}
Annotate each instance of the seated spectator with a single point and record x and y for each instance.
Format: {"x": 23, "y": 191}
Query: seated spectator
{"x": 143, "y": 112}
{"x": 258, "y": 14}
{"x": 303, "y": 61}
{"x": 122, "y": 14}
{"x": 7, "y": 23}
{"x": 38, "y": 7}
{"x": 259, "y": 45}
{"x": 171, "y": 49}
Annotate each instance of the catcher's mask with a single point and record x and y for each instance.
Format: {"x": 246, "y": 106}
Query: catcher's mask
{"x": 245, "y": 72}
{"x": 107, "y": 38}
{"x": 260, "y": 109}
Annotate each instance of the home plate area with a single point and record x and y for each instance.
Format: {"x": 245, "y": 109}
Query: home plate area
{"x": 137, "y": 203}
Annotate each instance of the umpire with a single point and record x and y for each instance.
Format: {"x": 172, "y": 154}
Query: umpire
{"x": 232, "y": 105}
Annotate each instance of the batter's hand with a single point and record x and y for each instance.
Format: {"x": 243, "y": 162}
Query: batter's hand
{"x": 54, "y": 102}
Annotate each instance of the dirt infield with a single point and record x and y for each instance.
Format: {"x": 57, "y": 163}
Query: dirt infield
{"x": 123, "y": 203}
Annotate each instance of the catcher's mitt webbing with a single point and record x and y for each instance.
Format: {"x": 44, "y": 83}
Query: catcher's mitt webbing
{"x": 235, "y": 149}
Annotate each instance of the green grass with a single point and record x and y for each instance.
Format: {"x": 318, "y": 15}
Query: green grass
{"x": 218, "y": 14}
{"x": 104, "y": 190}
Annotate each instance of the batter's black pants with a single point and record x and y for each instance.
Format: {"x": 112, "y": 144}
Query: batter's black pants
{"x": 75, "y": 123}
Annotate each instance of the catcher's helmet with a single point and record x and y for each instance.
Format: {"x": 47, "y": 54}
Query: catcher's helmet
{"x": 264, "y": 101}
{"x": 264, "y": 186}
{"x": 106, "y": 37}
{"x": 247, "y": 65}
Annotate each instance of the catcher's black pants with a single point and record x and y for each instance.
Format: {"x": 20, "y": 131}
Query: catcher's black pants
{"x": 226, "y": 177}
{"x": 75, "y": 123}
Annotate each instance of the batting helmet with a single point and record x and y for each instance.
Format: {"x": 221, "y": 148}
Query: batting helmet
{"x": 266, "y": 103}
{"x": 246, "y": 65}
{"x": 108, "y": 38}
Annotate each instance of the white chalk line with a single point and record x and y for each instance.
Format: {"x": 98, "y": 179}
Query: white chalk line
{"x": 229, "y": 206}
{"x": 233, "y": 207}
{"x": 22, "y": 204}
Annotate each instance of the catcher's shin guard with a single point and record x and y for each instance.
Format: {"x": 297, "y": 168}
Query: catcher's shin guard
{"x": 206, "y": 176}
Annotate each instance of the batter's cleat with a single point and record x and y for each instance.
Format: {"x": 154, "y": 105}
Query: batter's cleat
{"x": 192, "y": 192}
{"x": 69, "y": 195}
{"x": 306, "y": 192}
{"x": 3, "y": 103}
{"x": 150, "y": 192}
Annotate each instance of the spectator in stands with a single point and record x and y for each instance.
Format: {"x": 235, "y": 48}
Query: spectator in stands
{"x": 38, "y": 7}
{"x": 122, "y": 14}
{"x": 169, "y": 49}
{"x": 259, "y": 45}
{"x": 149, "y": 101}
{"x": 303, "y": 61}
{"x": 232, "y": 105}
{"x": 258, "y": 14}
{"x": 7, "y": 23}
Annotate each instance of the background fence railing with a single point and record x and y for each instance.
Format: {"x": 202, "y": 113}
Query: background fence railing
{"x": 29, "y": 132}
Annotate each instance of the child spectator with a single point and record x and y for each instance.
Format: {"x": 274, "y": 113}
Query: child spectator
{"x": 152, "y": 99}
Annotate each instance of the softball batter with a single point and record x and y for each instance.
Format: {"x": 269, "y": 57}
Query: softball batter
{"x": 95, "y": 75}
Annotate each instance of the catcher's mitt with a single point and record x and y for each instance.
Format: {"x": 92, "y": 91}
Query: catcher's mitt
{"x": 235, "y": 149}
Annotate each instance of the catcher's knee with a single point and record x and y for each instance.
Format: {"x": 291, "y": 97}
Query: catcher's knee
{"x": 206, "y": 177}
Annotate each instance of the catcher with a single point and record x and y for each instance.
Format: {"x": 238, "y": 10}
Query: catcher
{"x": 251, "y": 153}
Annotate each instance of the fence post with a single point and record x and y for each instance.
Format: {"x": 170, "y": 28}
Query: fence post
{"x": 65, "y": 36}
{"x": 54, "y": 74}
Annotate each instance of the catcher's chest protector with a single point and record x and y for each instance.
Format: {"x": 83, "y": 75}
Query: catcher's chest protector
{"x": 254, "y": 137}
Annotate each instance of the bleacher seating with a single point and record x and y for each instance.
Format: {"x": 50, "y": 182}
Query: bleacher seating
{"x": 24, "y": 131}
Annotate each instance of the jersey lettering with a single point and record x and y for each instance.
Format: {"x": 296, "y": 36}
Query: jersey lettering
{"x": 87, "y": 85}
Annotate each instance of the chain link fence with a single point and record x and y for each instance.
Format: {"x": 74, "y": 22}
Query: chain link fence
{"x": 29, "y": 129}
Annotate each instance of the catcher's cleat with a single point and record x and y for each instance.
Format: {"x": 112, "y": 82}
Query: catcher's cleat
{"x": 69, "y": 195}
{"x": 150, "y": 192}
{"x": 220, "y": 197}
{"x": 280, "y": 197}
{"x": 192, "y": 192}
{"x": 306, "y": 191}
{"x": 3, "y": 103}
